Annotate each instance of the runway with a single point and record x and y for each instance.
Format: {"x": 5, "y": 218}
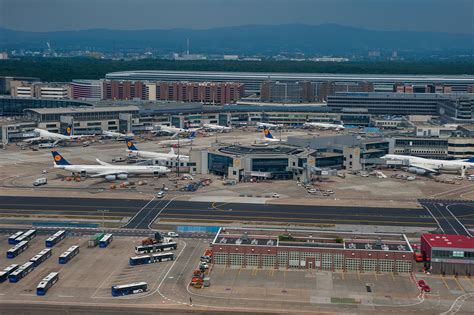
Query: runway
{"x": 142, "y": 214}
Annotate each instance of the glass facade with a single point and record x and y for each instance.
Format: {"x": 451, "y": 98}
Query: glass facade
{"x": 219, "y": 164}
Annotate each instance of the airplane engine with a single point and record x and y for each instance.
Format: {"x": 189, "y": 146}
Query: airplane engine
{"x": 417, "y": 171}
{"x": 110, "y": 177}
{"x": 122, "y": 176}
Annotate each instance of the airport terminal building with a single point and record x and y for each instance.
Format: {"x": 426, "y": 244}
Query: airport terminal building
{"x": 309, "y": 249}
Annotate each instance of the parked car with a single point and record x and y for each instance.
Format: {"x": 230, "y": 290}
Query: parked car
{"x": 172, "y": 234}
{"x": 160, "y": 194}
{"x": 206, "y": 259}
{"x": 275, "y": 195}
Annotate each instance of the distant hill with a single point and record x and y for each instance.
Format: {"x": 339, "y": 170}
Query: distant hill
{"x": 251, "y": 39}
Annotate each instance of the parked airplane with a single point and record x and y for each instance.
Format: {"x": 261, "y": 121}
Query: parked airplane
{"x": 214, "y": 127}
{"x": 324, "y": 125}
{"x": 268, "y": 137}
{"x": 180, "y": 142}
{"x": 268, "y": 125}
{"x": 132, "y": 150}
{"x": 45, "y": 135}
{"x": 106, "y": 170}
{"x": 117, "y": 135}
{"x": 421, "y": 165}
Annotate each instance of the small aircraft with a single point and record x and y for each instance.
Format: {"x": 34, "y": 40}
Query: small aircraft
{"x": 180, "y": 142}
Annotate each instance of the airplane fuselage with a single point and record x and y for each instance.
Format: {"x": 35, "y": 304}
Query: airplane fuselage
{"x": 453, "y": 165}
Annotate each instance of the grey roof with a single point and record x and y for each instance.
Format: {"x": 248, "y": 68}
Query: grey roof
{"x": 72, "y": 110}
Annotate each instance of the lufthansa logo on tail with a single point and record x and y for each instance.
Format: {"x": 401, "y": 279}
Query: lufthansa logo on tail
{"x": 266, "y": 132}
{"x": 68, "y": 130}
{"x": 129, "y": 143}
{"x": 57, "y": 158}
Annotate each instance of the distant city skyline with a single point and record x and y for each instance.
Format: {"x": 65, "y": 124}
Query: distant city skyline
{"x": 455, "y": 16}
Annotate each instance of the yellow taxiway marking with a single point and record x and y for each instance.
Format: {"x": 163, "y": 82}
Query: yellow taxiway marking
{"x": 445, "y": 283}
{"x": 458, "y": 284}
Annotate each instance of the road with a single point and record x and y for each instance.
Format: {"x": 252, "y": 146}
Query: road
{"x": 452, "y": 217}
{"x": 143, "y": 214}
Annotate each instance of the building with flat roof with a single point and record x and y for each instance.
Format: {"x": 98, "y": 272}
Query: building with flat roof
{"x": 253, "y": 80}
{"x": 448, "y": 254}
{"x": 14, "y": 106}
{"x": 46, "y": 90}
{"x": 85, "y": 120}
{"x": 312, "y": 249}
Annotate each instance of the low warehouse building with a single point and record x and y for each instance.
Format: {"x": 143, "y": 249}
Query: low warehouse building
{"x": 309, "y": 249}
{"x": 448, "y": 254}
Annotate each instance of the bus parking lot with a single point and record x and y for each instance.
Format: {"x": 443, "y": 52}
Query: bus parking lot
{"x": 87, "y": 279}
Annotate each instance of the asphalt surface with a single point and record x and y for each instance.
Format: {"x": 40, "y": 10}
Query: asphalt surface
{"x": 143, "y": 212}
{"x": 451, "y": 216}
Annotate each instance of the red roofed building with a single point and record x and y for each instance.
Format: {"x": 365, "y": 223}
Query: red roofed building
{"x": 448, "y": 254}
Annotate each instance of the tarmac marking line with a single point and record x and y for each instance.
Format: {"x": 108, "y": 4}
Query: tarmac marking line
{"x": 445, "y": 283}
{"x": 459, "y": 284}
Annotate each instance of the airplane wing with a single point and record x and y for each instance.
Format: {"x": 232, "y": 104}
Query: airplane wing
{"x": 105, "y": 173}
{"x": 103, "y": 163}
{"x": 33, "y": 139}
{"x": 174, "y": 136}
{"x": 424, "y": 168}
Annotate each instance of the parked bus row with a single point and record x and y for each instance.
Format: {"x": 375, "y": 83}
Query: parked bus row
{"x": 65, "y": 257}
{"x": 47, "y": 283}
{"x": 42, "y": 256}
{"x": 146, "y": 249}
{"x": 132, "y": 288}
{"x": 55, "y": 238}
{"x": 21, "y": 236}
{"x": 7, "y": 271}
{"x": 17, "y": 249}
{"x": 106, "y": 240}
{"x": 150, "y": 259}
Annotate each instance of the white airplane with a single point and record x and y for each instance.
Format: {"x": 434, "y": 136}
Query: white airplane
{"x": 421, "y": 165}
{"x": 268, "y": 137}
{"x": 106, "y": 170}
{"x": 268, "y": 125}
{"x": 180, "y": 142}
{"x": 174, "y": 130}
{"x": 214, "y": 127}
{"x": 117, "y": 135}
{"x": 324, "y": 125}
{"x": 52, "y": 136}
{"x": 132, "y": 150}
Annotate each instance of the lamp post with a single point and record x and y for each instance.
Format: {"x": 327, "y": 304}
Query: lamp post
{"x": 103, "y": 216}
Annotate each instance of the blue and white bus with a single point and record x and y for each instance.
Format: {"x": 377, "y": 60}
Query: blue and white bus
{"x": 55, "y": 238}
{"x": 13, "y": 237}
{"x": 47, "y": 283}
{"x": 69, "y": 254}
{"x": 150, "y": 259}
{"x": 17, "y": 249}
{"x": 105, "y": 241}
{"x": 5, "y": 272}
{"x": 145, "y": 249}
{"x": 27, "y": 236}
{"x": 133, "y": 288}
{"x": 42, "y": 256}
{"x": 21, "y": 272}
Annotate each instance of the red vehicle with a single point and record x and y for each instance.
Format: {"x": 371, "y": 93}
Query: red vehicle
{"x": 426, "y": 288}
{"x": 421, "y": 283}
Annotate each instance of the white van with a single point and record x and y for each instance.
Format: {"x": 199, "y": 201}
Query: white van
{"x": 40, "y": 181}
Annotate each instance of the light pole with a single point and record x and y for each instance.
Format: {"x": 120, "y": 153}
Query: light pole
{"x": 103, "y": 216}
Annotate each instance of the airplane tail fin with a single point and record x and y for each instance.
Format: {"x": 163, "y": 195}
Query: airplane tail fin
{"x": 192, "y": 135}
{"x": 267, "y": 133}
{"x": 68, "y": 131}
{"x": 171, "y": 151}
{"x": 470, "y": 160}
{"x": 58, "y": 159}
{"x": 131, "y": 146}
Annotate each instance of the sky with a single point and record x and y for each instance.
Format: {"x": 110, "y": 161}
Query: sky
{"x": 450, "y": 16}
